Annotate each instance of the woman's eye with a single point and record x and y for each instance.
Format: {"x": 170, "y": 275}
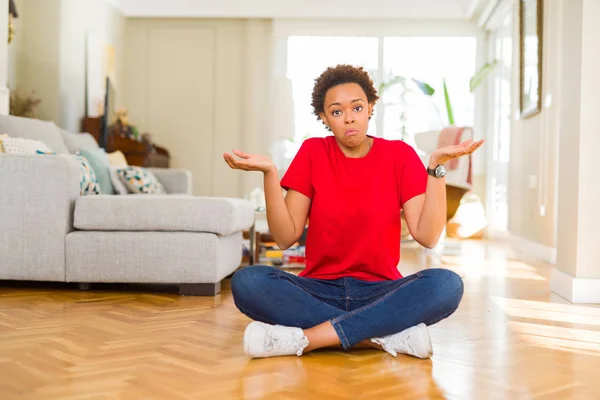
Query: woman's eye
{"x": 358, "y": 109}
{"x": 336, "y": 113}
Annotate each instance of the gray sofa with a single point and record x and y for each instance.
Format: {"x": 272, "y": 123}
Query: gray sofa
{"x": 48, "y": 232}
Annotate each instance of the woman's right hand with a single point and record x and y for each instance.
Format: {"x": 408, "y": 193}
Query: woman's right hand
{"x": 249, "y": 162}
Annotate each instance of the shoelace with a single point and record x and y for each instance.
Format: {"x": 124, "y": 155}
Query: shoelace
{"x": 291, "y": 342}
{"x": 402, "y": 344}
{"x": 394, "y": 344}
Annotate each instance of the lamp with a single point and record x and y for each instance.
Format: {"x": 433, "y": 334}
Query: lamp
{"x": 12, "y": 13}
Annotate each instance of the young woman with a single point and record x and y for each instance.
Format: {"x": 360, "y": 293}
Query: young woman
{"x": 352, "y": 186}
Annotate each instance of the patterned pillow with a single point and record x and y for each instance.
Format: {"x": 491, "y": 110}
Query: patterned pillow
{"x": 88, "y": 184}
{"x": 99, "y": 163}
{"x": 140, "y": 180}
{"x": 23, "y": 146}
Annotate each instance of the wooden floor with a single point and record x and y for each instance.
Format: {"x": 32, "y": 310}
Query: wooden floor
{"x": 510, "y": 339}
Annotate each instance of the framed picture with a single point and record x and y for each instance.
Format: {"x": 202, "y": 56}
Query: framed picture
{"x": 531, "y": 44}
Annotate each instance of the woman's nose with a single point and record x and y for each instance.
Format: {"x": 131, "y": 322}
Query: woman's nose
{"x": 349, "y": 118}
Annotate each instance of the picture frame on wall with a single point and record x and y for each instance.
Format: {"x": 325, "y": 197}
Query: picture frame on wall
{"x": 531, "y": 56}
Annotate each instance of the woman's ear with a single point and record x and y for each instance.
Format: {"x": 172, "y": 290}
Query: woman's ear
{"x": 322, "y": 116}
{"x": 371, "y": 105}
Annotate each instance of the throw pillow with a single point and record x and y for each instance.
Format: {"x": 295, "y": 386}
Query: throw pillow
{"x": 101, "y": 167}
{"x": 117, "y": 182}
{"x": 78, "y": 141}
{"x": 23, "y": 146}
{"x": 88, "y": 184}
{"x": 117, "y": 159}
{"x": 2, "y": 136}
{"x": 140, "y": 180}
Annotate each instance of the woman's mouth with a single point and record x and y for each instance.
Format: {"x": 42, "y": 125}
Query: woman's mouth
{"x": 351, "y": 132}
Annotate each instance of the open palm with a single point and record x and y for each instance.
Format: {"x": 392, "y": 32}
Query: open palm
{"x": 448, "y": 153}
{"x": 248, "y": 162}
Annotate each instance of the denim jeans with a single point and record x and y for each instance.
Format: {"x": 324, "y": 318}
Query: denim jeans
{"x": 358, "y": 310}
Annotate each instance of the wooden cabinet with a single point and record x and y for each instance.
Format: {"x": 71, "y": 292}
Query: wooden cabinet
{"x": 137, "y": 153}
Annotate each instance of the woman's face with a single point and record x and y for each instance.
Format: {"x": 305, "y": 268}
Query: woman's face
{"x": 347, "y": 113}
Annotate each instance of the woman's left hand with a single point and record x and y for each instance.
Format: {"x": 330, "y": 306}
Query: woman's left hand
{"x": 447, "y": 153}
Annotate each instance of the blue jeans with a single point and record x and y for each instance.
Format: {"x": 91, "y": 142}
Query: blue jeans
{"x": 358, "y": 310}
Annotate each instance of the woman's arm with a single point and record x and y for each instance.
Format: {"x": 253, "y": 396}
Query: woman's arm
{"x": 425, "y": 214}
{"x": 286, "y": 216}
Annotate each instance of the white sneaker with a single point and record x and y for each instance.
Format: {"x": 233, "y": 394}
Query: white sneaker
{"x": 264, "y": 340}
{"x": 414, "y": 341}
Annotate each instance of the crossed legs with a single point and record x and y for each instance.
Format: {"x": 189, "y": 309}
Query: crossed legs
{"x": 328, "y": 316}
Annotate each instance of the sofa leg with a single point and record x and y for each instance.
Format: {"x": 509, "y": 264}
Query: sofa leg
{"x": 199, "y": 289}
{"x": 84, "y": 286}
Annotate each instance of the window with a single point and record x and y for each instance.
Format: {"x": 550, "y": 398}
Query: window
{"x": 400, "y": 113}
{"x": 431, "y": 60}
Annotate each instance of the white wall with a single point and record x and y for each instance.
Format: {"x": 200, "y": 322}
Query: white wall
{"x": 577, "y": 273}
{"x": 78, "y": 18}
{"x": 13, "y": 49}
{"x": 48, "y": 55}
{"x": 35, "y": 60}
{"x": 200, "y": 88}
{"x": 579, "y": 140}
{"x": 558, "y": 148}
{"x": 533, "y": 143}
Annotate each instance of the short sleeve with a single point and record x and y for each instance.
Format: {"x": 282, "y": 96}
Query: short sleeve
{"x": 412, "y": 175}
{"x": 298, "y": 176}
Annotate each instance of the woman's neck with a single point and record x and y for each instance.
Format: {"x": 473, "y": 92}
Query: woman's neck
{"x": 358, "y": 152}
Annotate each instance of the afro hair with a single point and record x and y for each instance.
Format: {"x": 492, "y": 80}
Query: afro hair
{"x": 339, "y": 75}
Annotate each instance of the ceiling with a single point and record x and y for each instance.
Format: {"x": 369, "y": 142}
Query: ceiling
{"x": 331, "y": 9}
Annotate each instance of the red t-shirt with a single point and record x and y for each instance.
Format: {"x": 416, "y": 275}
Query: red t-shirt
{"x": 354, "y": 228}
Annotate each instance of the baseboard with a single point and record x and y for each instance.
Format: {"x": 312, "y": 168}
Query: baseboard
{"x": 576, "y": 290}
{"x": 525, "y": 246}
{"x": 4, "y": 100}
{"x": 495, "y": 234}
{"x": 534, "y": 249}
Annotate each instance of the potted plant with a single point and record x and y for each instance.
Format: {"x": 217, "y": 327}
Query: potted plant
{"x": 411, "y": 84}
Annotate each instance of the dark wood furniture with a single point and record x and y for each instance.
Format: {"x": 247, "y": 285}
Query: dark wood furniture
{"x": 137, "y": 153}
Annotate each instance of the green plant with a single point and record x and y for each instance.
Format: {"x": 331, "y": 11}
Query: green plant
{"x": 476, "y": 80}
{"x": 482, "y": 74}
{"x": 425, "y": 88}
{"x": 448, "y": 104}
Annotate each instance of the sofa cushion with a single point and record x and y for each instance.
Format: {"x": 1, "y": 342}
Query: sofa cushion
{"x": 78, "y": 141}
{"x": 30, "y": 128}
{"x": 222, "y": 216}
{"x": 151, "y": 257}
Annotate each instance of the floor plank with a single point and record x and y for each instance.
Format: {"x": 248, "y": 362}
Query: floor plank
{"x": 510, "y": 339}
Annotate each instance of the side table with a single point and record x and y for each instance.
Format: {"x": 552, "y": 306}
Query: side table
{"x": 260, "y": 226}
